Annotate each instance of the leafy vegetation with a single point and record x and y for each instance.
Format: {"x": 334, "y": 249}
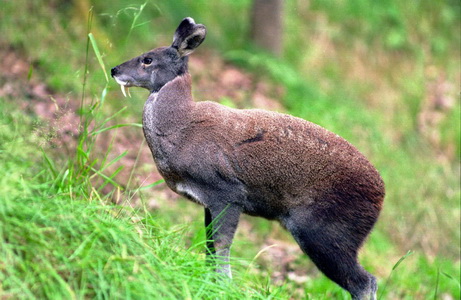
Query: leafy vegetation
{"x": 368, "y": 71}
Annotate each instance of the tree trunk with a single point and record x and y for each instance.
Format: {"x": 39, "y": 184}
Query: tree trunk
{"x": 267, "y": 25}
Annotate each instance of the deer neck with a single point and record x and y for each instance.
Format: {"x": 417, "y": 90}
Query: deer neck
{"x": 168, "y": 111}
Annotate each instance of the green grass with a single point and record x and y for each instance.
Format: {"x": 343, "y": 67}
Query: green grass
{"x": 59, "y": 246}
{"x": 60, "y": 243}
{"x": 361, "y": 69}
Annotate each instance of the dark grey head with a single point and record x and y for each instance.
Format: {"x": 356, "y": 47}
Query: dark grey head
{"x": 155, "y": 68}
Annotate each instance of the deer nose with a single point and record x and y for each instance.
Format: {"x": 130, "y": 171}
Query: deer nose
{"x": 113, "y": 71}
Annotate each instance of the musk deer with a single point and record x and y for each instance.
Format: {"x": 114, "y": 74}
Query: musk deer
{"x": 262, "y": 163}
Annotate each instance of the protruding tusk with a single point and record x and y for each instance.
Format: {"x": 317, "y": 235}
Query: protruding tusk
{"x": 128, "y": 91}
{"x": 123, "y": 90}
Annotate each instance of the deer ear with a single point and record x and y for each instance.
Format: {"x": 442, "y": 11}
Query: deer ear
{"x": 188, "y": 36}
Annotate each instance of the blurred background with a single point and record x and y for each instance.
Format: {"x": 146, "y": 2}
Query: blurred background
{"x": 385, "y": 75}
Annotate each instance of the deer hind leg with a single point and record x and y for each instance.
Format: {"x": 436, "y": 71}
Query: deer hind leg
{"x": 333, "y": 247}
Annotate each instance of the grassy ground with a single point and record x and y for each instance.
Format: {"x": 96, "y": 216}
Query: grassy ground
{"x": 59, "y": 242}
{"x": 370, "y": 77}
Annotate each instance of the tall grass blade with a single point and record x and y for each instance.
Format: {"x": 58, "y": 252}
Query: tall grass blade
{"x": 113, "y": 161}
{"x": 50, "y": 164}
{"x": 98, "y": 55}
{"x": 87, "y": 52}
{"x": 29, "y": 74}
{"x": 402, "y": 259}
{"x": 437, "y": 284}
{"x": 410, "y": 252}
{"x": 452, "y": 278}
{"x": 111, "y": 117}
{"x": 135, "y": 19}
{"x": 107, "y": 178}
{"x": 116, "y": 126}
{"x": 151, "y": 185}
{"x": 135, "y": 164}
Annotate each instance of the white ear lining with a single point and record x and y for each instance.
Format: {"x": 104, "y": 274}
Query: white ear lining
{"x": 191, "y": 20}
{"x": 183, "y": 47}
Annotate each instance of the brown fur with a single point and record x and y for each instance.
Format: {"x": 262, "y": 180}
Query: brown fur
{"x": 267, "y": 149}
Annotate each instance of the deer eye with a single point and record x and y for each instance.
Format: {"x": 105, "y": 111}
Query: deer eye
{"x": 147, "y": 60}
